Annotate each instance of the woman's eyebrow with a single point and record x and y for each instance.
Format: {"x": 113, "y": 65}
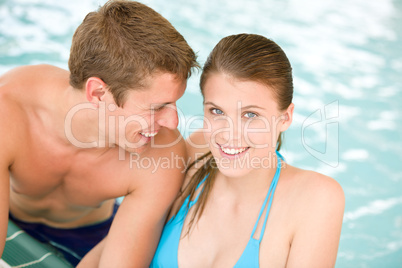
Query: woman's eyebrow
{"x": 252, "y": 106}
{"x": 243, "y": 108}
{"x": 213, "y": 105}
{"x": 209, "y": 103}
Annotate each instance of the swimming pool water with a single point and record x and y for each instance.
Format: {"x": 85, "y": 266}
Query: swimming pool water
{"x": 347, "y": 64}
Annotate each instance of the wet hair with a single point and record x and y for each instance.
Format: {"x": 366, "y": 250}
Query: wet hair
{"x": 245, "y": 57}
{"x": 124, "y": 43}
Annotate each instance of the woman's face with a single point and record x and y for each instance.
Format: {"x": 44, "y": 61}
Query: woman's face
{"x": 242, "y": 124}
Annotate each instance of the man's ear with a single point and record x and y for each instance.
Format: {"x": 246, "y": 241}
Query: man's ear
{"x": 288, "y": 118}
{"x": 95, "y": 89}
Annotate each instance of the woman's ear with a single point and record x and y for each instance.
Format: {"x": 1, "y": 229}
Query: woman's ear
{"x": 95, "y": 89}
{"x": 287, "y": 118}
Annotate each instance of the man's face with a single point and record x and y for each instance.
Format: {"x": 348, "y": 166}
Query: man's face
{"x": 146, "y": 111}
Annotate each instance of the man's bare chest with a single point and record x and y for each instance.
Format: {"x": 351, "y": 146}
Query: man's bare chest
{"x": 44, "y": 167}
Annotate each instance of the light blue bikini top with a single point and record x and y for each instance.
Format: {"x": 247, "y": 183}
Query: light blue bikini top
{"x": 166, "y": 254}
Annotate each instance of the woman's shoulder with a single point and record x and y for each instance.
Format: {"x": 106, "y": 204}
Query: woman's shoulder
{"x": 313, "y": 189}
{"x": 315, "y": 205}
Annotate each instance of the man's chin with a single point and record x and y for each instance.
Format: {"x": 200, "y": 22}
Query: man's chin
{"x": 136, "y": 150}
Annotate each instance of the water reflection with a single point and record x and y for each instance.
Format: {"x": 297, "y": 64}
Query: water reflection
{"x": 344, "y": 52}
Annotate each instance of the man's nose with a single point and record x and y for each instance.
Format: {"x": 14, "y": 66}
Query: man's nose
{"x": 168, "y": 117}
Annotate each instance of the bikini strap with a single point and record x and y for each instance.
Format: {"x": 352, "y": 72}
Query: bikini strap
{"x": 269, "y": 196}
{"x": 187, "y": 204}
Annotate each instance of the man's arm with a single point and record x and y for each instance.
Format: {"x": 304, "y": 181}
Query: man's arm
{"x": 5, "y": 162}
{"x": 4, "y": 201}
{"x": 136, "y": 229}
{"x": 91, "y": 259}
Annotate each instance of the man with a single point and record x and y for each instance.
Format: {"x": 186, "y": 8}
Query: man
{"x": 74, "y": 141}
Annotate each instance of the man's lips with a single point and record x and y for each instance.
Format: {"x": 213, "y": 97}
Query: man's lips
{"x": 149, "y": 134}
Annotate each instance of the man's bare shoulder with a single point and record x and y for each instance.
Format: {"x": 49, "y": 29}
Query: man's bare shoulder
{"x": 163, "y": 163}
{"x": 18, "y": 90}
{"x": 12, "y": 128}
{"x": 166, "y": 142}
{"x": 196, "y": 146}
{"x": 32, "y": 79}
{"x": 30, "y": 70}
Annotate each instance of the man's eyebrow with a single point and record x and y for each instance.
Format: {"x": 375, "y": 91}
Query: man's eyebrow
{"x": 158, "y": 106}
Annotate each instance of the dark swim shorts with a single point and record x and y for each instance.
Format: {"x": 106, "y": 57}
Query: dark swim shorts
{"x": 72, "y": 243}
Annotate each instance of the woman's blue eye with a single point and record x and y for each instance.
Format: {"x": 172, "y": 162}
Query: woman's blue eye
{"x": 250, "y": 115}
{"x": 216, "y": 111}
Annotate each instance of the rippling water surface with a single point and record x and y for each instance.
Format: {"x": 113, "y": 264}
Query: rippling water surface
{"x": 347, "y": 63}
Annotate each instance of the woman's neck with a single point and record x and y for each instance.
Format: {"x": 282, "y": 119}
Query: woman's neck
{"x": 248, "y": 185}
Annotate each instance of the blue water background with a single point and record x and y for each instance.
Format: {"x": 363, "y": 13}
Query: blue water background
{"x": 347, "y": 63}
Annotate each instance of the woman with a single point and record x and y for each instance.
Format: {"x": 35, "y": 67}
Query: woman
{"x": 241, "y": 205}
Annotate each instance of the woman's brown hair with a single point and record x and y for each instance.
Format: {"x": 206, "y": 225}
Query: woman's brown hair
{"x": 125, "y": 42}
{"x": 247, "y": 57}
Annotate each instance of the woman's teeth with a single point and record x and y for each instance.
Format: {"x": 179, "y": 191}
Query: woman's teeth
{"x": 148, "y": 134}
{"x": 233, "y": 151}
